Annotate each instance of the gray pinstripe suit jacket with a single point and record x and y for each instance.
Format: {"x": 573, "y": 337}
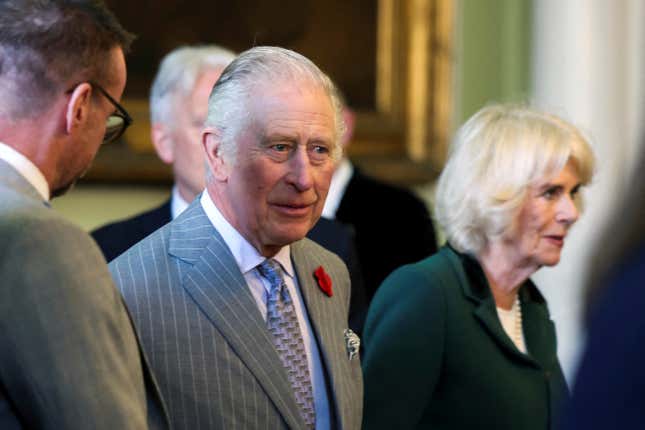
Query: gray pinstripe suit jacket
{"x": 207, "y": 342}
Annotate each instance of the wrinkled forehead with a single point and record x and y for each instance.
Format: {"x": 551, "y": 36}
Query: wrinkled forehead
{"x": 297, "y": 98}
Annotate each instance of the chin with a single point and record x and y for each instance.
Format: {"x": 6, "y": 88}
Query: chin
{"x": 289, "y": 235}
{"x": 551, "y": 260}
{"x": 59, "y": 191}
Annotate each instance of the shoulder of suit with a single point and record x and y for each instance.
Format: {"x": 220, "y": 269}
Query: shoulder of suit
{"x": 45, "y": 242}
{"x": 312, "y": 248}
{"x": 440, "y": 270}
{"x": 14, "y": 200}
{"x": 30, "y": 216}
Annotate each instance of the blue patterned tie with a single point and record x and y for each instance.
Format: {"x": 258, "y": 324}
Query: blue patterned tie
{"x": 287, "y": 338}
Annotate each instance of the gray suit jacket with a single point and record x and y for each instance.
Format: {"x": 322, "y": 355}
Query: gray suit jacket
{"x": 69, "y": 357}
{"x": 207, "y": 342}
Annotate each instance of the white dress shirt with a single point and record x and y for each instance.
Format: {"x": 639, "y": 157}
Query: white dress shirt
{"x": 339, "y": 181}
{"x": 248, "y": 258}
{"x": 177, "y": 203}
{"x": 26, "y": 168}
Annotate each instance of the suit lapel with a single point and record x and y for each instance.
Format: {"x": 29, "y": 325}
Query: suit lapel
{"x": 327, "y": 329}
{"x": 218, "y": 288}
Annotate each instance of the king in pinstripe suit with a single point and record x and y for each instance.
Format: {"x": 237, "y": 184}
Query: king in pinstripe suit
{"x": 194, "y": 287}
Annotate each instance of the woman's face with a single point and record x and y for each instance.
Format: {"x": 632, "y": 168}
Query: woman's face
{"x": 545, "y": 219}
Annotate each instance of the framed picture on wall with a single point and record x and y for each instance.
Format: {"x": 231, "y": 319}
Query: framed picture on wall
{"x": 390, "y": 59}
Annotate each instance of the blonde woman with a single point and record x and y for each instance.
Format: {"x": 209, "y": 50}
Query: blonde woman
{"x": 463, "y": 339}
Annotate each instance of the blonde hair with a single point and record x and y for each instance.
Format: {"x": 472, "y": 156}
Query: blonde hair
{"x": 494, "y": 158}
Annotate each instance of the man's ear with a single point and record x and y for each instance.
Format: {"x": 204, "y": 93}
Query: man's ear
{"x": 162, "y": 141}
{"x": 211, "y": 140}
{"x": 78, "y": 106}
{"x": 350, "y": 122}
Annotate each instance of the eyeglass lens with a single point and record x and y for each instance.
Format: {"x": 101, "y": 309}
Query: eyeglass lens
{"x": 115, "y": 127}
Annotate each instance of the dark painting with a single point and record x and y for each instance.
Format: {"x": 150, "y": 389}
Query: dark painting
{"x": 340, "y": 36}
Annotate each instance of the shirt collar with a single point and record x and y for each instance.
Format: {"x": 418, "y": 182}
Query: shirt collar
{"x": 245, "y": 254}
{"x": 26, "y": 168}
{"x": 339, "y": 181}
{"x": 177, "y": 203}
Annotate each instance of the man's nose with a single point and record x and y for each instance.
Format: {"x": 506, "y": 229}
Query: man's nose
{"x": 301, "y": 173}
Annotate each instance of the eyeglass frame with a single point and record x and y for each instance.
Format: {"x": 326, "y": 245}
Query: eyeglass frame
{"x": 120, "y": 111}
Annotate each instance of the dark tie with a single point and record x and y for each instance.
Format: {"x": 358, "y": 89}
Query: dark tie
{"x": 287, "y": 338}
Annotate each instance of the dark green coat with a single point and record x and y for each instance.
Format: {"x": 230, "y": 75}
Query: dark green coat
{"x": 436, "y": 355}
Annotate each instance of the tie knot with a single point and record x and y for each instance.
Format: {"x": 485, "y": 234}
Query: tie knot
{"x": 271, "y": 270}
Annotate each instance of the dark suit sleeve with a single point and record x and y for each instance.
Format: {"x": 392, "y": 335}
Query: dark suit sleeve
{"x": 404, "y": 338}
{"x": 69, "y": 357}
{"x": 358, "y": 299}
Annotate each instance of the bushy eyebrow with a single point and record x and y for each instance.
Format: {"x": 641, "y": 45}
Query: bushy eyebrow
{"x": 280, "y": 136}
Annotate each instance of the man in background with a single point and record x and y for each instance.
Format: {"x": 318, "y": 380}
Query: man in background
{"x": 243, "y": 318}
{"x": 178, "y": 105}
{"x": 392, "y": 226}
{"x": 69, "y": 357}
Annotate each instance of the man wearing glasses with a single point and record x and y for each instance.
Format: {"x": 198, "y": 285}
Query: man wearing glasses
{"x": 69, "y": 356}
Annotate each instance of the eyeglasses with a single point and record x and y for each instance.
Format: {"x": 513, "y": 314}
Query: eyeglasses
{"x": 117, "y": 122}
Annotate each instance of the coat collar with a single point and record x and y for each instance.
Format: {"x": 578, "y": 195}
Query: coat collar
{"x": 539, "y": 330}
{"x": 13, "y": 179}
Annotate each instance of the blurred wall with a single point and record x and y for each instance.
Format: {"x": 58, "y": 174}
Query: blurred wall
{"x": 492, "y": 56}
{"x": 588, "y": 67}
{"x": 91, "y": 206}
{"x": 493, "y": 51}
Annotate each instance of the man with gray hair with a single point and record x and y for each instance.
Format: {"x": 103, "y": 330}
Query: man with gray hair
{"x": 69, "y": 357}
{"x": 244, "y": 319}
{"x": 178, "y": 105}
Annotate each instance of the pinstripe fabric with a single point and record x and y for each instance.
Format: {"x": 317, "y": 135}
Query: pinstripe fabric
{"x": 207, "y": 342}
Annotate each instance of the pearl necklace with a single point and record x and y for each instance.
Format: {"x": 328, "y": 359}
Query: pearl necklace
{"x": 512, "y": 323}
{"x": 518, "y": 339}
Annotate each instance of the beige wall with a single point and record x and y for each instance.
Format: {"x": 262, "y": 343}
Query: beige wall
{"x": 93, "y": 205}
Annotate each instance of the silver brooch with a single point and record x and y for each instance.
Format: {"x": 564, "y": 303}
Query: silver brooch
{"x": 352, "y": 343}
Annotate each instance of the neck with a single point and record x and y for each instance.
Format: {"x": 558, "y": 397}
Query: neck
{"x": 503, "y": 274}
{"x": 222, "y": 203}
{"x": 36, "y": 140}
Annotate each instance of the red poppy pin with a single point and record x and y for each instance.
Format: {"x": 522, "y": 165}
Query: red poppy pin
{"x": 324, "y": 281}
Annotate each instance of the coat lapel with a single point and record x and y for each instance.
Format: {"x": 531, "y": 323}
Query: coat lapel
{"x": 487, "y": 315}
{"x": 328, "y": 330}
{"x": 485, "y": 310}
{"x": 541, "y": 337}
{"x": 218, "y": 288}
